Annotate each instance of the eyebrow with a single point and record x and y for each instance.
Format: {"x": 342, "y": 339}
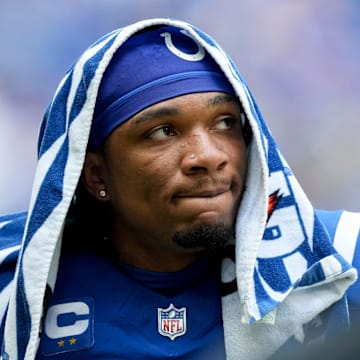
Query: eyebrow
{"x": 151, "y": 114}
{"x": 165, "y": 110}
{"x": 222, "y": 99}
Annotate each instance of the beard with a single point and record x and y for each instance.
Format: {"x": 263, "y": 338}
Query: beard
{"x": 208, "y": 237}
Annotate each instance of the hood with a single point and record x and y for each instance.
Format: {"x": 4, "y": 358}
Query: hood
{"x": 278, "y": 235}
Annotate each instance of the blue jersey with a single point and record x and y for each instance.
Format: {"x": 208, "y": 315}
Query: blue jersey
{"x": 104, "y": 310}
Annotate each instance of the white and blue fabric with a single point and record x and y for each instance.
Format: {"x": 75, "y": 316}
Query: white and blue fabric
{"x": 285, "y": 271}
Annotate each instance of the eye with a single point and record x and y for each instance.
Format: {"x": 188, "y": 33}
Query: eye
{"x": 161, "y": 133}
{"x": 225, "y": 123}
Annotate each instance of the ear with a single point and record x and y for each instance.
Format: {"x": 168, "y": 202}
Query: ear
{"x": 92, "y": 176}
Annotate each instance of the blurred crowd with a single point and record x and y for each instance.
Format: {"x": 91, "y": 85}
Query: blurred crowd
{"x": 300, "y": 58}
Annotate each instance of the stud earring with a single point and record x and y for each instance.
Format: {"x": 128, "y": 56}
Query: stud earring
{"x": 102, "y": 193}
{"x": 192, "y": 156}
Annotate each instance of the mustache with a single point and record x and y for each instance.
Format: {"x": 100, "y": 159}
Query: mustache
{"x": 202, "y": 183}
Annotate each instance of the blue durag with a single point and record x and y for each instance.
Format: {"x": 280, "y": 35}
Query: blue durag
{"x": 151, "y": 67}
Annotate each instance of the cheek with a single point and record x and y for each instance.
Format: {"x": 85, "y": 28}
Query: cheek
{"x": 145, "y": 176}
{"x": 242, "y": 157}
{"x": 237, "y": 152}
{"x": 157, "y": 173}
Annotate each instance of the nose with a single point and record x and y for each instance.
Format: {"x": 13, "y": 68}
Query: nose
{"x": 204, "y": 154}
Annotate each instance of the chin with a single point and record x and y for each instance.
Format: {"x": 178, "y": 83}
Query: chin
{"x": 205, "y": 236}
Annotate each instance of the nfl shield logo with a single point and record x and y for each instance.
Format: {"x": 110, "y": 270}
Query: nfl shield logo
{"x": 172, "y": 321}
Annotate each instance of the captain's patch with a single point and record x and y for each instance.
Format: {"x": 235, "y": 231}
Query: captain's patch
{"x": 68, "y": 326}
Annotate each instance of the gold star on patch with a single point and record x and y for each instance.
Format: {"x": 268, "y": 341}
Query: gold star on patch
{"x": 72, "y": 341}
{"x": 61, "y": 343}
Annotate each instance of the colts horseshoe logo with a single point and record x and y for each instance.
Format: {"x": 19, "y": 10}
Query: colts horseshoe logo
{"x": 198, "y": 56}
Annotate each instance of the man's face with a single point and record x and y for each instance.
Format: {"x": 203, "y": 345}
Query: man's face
{"x": 174, "y": 170}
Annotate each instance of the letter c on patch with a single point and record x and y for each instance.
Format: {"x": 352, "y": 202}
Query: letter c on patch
{"x": 80, "y": 312}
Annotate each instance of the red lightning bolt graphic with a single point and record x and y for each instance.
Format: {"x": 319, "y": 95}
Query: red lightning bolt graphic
{"x": 274, "y": 199}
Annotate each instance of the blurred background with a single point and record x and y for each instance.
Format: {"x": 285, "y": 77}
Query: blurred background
{"x": 301, "y": 60}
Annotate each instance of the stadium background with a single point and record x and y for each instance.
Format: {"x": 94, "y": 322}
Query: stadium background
{"x": 300, "y": 58}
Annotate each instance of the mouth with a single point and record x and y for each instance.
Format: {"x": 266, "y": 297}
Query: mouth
{"x": 206, "y": 194}
{"x": 206, "y": 202}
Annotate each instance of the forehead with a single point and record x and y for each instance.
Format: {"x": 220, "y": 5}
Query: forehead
{"x": 181, "y": 104}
